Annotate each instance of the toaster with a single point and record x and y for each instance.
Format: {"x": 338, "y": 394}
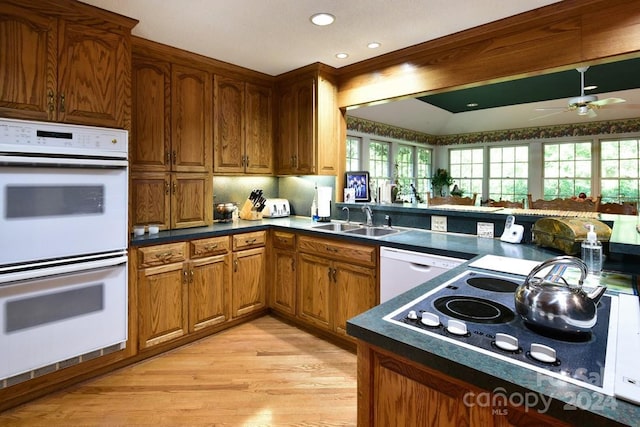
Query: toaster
{"x": 276, "y": 208}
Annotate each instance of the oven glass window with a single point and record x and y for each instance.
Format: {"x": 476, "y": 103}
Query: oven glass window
{"x": 53, "y": 200}
{"x": 40, "y": 310}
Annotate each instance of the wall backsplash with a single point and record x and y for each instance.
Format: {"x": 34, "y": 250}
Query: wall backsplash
{"x": 297, "y": 189}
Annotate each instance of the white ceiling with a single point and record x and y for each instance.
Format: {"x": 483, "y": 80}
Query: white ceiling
{"x": 276, "y": 36}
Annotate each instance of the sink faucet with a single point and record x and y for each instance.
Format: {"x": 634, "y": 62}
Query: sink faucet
{"x": 345, "y": 208}
{"x": 367, "y": 210}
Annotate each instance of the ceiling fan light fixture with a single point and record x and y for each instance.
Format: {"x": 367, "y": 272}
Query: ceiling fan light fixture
{"x": 583, "y": 110}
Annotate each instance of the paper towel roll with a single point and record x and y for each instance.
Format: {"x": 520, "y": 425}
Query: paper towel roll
{"x": 324, "y": 201}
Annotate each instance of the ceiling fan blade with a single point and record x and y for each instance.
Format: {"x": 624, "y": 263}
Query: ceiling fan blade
{"x": 548, "y": 115}
{"x": 608, "y": 101}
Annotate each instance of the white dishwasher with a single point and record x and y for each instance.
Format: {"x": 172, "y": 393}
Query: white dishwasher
{"x": 402, "y": 270}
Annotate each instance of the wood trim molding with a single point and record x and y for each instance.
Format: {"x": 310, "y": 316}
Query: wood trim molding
{"x": 576, "y": 31}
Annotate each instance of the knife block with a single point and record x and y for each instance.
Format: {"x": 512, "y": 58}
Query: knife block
{"x": 248, "y": 213}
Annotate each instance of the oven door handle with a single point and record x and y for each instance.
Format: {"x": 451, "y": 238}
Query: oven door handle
{"x": 28, "y": 274}
{"x": 63, "y": 161}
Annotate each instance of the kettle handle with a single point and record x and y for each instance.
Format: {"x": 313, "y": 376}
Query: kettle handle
{"x": 559, "y": 260}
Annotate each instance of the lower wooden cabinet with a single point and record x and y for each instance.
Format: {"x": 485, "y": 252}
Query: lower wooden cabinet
{"x": 282, "y": 295}
{"x": 396, "y": 391}
{"x": 249, "y": 273}
{"x": 180, "y": 291}
{"x": 331, "y": 290}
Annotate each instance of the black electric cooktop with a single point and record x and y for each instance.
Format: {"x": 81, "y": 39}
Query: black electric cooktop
{"x": 476, "y": 309}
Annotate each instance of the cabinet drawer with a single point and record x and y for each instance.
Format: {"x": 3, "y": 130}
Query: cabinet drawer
{"x": 364, "y": 255}
{"x": 249, "y": 240}
{"x": 206, "y": 247}
{"x": 284, "y": 240}
{"x": 161, "y": 254}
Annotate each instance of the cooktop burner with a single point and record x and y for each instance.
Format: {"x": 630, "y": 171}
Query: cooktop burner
{"x": 473, "y": 309}
{"x": 476, "y": 310}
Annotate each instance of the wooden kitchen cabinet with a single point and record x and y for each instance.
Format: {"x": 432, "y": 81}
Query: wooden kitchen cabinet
{"x": 65, "y": 62}
{"x": 308, "y": 124}
{"x": 249, "y": 273}
{"x": 171, "y": 183}
{"x": 182, "y": 288}
{"x": 170, "y": 200}
{"x": 243, "y": 141}
{"x": 331, "y": 290}
{"x": 283, "y": 289}
{"x": 396, "y": 391}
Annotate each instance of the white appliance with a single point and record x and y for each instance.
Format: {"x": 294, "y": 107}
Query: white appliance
{"x": 276, "y": 208}
{"x": 627, "y": 376}
{"x": 63, "y": 222}
{"x": 402, "y": 270}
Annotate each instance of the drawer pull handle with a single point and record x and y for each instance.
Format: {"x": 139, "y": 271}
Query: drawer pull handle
{"x": 250, "y": 241}
{"x": 330, "y": 249}
{"x": 210, "y": 247}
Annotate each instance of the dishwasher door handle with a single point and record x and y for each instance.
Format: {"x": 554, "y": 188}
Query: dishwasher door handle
{"x": 420, "y": 267}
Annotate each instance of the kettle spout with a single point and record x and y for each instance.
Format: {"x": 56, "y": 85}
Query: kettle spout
{"x": 596, "y": 294}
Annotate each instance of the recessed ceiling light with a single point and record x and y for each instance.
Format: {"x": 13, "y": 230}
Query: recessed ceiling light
{"x": 322, "y": 19}
{"x": 373, "y": 45}
{"x": 472, "y": 104}
{"x": 342, "y": 55}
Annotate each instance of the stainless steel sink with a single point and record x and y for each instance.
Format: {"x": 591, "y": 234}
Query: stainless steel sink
{"x": 337, "y": 226}
{"x": 373, "y": 231}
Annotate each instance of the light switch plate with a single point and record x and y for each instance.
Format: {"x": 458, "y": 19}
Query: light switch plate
{"x": 485, "y": 229}
{"x": 439, "y": 223}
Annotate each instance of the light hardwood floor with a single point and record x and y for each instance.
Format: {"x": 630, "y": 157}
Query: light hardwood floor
{"x": 262, "y": 373}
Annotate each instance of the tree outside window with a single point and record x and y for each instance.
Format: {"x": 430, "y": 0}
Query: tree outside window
{"x": 567, "y": 169}
{"x": 619, "y": 166}
{"x": 509, "y": 173}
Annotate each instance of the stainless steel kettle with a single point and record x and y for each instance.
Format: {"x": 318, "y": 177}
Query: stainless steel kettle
{"x": 553, "y": 303}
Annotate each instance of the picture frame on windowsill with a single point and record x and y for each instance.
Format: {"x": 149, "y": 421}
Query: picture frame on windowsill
{"x": 359, "y": 182}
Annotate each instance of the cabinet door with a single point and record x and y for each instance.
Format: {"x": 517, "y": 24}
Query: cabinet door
{"x": 94, "y": 72}
{"x": 355, "y": 289}
{"x": 209, "y": 281}
{"x": 191, "y": 200}
{"x": 151, "y": 126}
{"x": 191, "y": 117}
{"x": 283, "y": 289}
{"x": 259, "y": 130}
{"x": 315, "y": 276}
{"x": 28, "y": 64}
{"x": 149, "y": 199}
{"x": 306, "y": 124}
{"x": 162, "y": 309}
{"x": 287, "y": 131}
{"x": 229, "y": 153}
{"x": 248, "y": 285}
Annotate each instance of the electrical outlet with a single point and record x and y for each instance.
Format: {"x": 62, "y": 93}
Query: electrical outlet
{"x": 485, "y": 229}
{"x": 439, "y": 223}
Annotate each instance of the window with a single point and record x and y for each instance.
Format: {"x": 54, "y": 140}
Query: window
{"x": 354, "y": 150}
{"x": 567, "y": 169}
{"x": 466, "y": 168}
{"x": 423, "y": 177}
{"x": 378, "y": 162}
{"x": 508, "y": 173}
{"x": 619, "y": 170}
{"x": 404, "y": 170}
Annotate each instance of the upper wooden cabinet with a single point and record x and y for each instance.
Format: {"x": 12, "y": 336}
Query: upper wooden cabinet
{"x": 308, "y": 125}
{"x": 243, "y": 141}
{"x": 171, "y": 117}
{"x": 65, "y": 62}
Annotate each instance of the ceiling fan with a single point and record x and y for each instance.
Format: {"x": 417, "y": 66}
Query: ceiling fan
{"x": 584, "y": 105}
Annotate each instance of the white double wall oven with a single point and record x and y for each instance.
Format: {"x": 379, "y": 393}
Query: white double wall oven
{"x": 64, "y": 234}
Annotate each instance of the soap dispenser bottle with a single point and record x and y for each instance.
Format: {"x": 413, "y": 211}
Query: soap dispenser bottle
{"x": 592, "y": 252}
{"x": 314, "y": 204}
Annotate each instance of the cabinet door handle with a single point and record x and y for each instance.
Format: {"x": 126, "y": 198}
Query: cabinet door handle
{"x": 175, "y": 188}
{"x": 246, "y": 160}
{"x": 168, "y": 157}
{"x": 191, "y": 274}
{"x": 329, "y": 273}
{"x": 175, "y": 156}
{"x": 166, "y": 187}
{"x": 51, "y": 102}
{"x": 62, "y": 107}
{"x": 334, "y": 273}
{"x": 293, "y": 265}
{"x": 235, "y": 265}
{"x": 185, "y": 276}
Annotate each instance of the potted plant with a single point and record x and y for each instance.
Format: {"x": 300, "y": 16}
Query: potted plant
{"x": 440, "y": 182}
